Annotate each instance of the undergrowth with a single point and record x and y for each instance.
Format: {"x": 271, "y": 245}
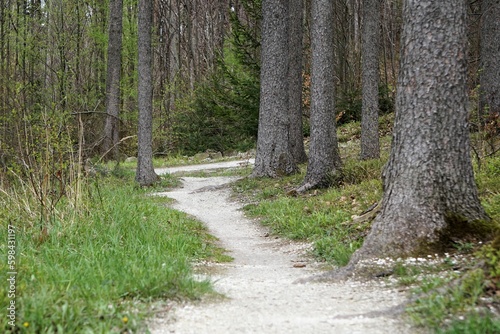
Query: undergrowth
{"x": 95, "y": 268}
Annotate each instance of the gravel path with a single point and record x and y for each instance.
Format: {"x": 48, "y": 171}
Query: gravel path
{"x": 259, "y": 284}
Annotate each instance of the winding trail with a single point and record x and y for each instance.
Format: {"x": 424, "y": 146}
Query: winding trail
{"x": 259, "y": 284}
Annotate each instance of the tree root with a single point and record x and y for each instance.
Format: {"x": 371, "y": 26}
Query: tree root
{"x": 368, "y": 214}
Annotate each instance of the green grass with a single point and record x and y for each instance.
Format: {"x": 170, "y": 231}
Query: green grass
{"x": 473, "y": 324}
{"x": 450, "y": 307}
{"x": 97, "y": 268}
{"x": 321, "y": 216}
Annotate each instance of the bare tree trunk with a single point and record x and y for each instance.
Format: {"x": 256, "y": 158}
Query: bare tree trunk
{"x": 295, "y": 80}
{"x": 429, "y": 191}
{"x": 370, "y": 147}
{"x": 274, "y": 157}
{"x": 145, "y": 174}
{"x": 324, "y": 158}
{"x": 112, "y": 126}
{"x": 490, "y": 58}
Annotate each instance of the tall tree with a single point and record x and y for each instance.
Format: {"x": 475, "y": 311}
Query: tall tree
{"x": 429, "y": 189}
{"x": 145, "y": 174}
{"x": 490, "y": 58}
{"x": 324, "y": 158}
{"x": 370, "y": 147}
{"x": 112, "y": 125}
{"x": 295, "y": 80}
{"x": 274, "y": 157}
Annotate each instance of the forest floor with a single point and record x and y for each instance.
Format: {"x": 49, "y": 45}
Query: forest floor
{"x": 259, "y": 293}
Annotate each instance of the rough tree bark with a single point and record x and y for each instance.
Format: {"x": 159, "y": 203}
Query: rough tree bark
{"x": 429, "y": 189}
{"x": 490, "y": 58}
{"x": 324, "y": 159}
{"x": 370, "y": 147}
{"x": 112, "y": 124}
{"x": 295, "y": 80}
{"x": 145, "y": 174}
{"x": 274, "y": 157}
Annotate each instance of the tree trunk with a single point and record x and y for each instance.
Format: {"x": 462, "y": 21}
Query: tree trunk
{"x": 112, "y": 126}
{"x": 429, "y": 189}
{"x": 274, "y": 157}
{"x": 145, "y": 174}
{"x": 324, "y": 158}
{"x": 295, "y": 81}
{"x": 370, "y": 147}
{"x": 490, "y": 58}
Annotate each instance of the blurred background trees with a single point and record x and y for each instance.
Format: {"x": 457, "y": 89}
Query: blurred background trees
{"x": 206, "y": 63}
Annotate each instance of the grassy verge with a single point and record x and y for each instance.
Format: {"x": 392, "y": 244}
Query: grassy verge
{"x": 97, "y": 267}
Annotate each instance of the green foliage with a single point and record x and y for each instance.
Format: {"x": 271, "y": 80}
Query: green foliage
{"x": 94, "y": 268}
{"x": 436, "y": 306}
{"x": 348, "y": 107}
{"x": 474, "y": 324}
{"x": 222, "y": 112}
{"x": 245, "y": 37}
{"x": 349, "y": 104}
{"x": 335, "y": 249}
{"x": 222, "y": 116}
{"x": 491, "y": 256}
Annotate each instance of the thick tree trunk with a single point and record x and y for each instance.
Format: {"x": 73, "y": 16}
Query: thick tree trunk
{"x": 274, "y": 157}
{"x": 112, "y": 125}
{"x": 145, "y": 174}
{"x": 295, "y": 80}
{"x": 324, "y": 158}
{"x": 370, "y": 147}
{"x": 429, "y": 189}
{"x": 490, "y": 58}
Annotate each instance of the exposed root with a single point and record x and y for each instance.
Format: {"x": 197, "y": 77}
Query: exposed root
{"x": 305, "y": 187}
{"x": 368, "y": 214}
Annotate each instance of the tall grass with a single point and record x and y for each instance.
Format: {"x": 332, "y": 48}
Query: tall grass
{"x": 95, "y": 269}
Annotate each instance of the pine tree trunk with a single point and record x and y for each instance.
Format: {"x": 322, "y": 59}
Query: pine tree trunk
{"x": 429, "y": 189}
{"x": 112, "y": 125}
{"x": 324, "y": 158}
{"x": 274, "y": 157}
{"x": 490, "y": 58}
{"x": 145, "y": 174}
{"x": 295, "y": 81}
{"x": 370, "y": 147}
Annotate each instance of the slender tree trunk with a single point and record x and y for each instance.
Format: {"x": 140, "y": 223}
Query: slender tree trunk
{"x": 324, "y": 158}
{"x": 429, "y": 191}
{"x": 112, "y": 126}
{"x": 274, "y": 157}
{"x": 370, "y": 147}
{"x": 295, "y": 80}
{"x": 490, "y": 59}
{"x": 145, "y": 174}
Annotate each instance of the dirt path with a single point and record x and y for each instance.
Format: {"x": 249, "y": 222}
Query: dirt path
{"x": 259, "y": 283}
